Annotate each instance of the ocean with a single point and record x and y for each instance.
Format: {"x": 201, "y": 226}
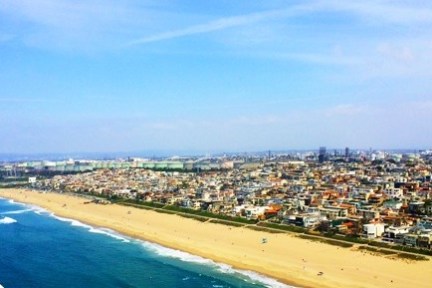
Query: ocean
{"x": 40, "y": 249}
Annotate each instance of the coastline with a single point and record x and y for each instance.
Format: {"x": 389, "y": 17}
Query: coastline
{"x": 284, "y": 257}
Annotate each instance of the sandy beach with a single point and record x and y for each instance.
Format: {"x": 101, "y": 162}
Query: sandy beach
{"x": 285, "y": 257}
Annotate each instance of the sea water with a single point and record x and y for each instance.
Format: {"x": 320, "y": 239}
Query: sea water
{"x": 40, "y": 249}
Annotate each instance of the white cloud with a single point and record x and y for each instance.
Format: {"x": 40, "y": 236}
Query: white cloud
{"x": 220, "y": 24}
{"x": 409, "y": 58}
{"x": 66, "y": 14}
{"x": 378, "y": 11}
{"x": 75, "y": 25}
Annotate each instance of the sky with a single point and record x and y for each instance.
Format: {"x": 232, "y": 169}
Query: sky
{"x": 225, "y": 75}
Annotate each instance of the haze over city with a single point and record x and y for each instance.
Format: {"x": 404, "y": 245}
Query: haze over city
{"x": 105, "y": 76}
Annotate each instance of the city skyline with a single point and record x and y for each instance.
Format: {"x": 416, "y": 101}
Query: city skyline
{"x": 92, "y": 76}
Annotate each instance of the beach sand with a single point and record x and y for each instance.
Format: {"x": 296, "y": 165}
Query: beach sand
{"x": 284, "y": 257}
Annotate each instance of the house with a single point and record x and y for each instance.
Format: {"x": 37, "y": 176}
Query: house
{"x": 255, "y": 212}
{"x": 32, "y": 180}
{"x": 425, "y": 240}
{"x": 368, "y": 214}
{"x": 416, "y": 207}
{"x": 393, "y": 192}
{"x": 393, "y": 231}
{"x": 373, "y": 230}
{"x": 333, "y": 212}
{"x": 410, "y": 239}
{"x": 399, "y": 239}
{"x": 393, "y": 204}
{"x": 306, "y": 221}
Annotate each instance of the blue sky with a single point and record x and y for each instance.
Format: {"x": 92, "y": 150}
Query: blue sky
{"x": 105, "y": 76}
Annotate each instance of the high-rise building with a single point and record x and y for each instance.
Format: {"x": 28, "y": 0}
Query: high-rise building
{"x": 346, "y": 152}
{"x": 322, "y": 154}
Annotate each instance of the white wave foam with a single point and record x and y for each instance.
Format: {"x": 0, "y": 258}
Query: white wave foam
{"x": 28, "y": 207}
{"x": 40, "y": 210}
{"x": 60, "y": 218}
{"x": 269, "y": 282}
{"x": 77, "y": 223}
{"x": 172, "y": 253}
{"x": 17, "y": 211}
{"x": 109, "y": 233}
{"x": 105, "y": 231}
{"x": 255, "y": 277}
{"x": 224, "y": 268}
{"x": 7, "y": 220}
{"x": 73, "y": 222}
{"x": 10, "y": 201}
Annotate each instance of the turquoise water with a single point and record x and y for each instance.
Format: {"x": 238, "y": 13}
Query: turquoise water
{"x": 39, "y": 249}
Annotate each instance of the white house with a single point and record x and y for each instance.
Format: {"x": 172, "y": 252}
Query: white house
{"x": 373, "y": 230}
{"x": 32, "y": 180}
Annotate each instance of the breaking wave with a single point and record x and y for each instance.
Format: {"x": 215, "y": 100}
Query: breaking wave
{"x": 7, "y": 220}
{"x": 91, "y": 229}
{"x": 17, "y": 211}
{"x": 224, "y": 268}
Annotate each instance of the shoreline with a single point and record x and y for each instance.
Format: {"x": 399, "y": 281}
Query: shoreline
{"x": 285, "y": 258}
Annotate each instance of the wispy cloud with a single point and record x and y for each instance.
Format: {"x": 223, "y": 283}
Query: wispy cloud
{"x": 211, "y": 26}
{"x": 369, "y": 57}
{"x": 75, "y": 25}
{"x": 64, "y": 14}
{"x": 223, "y": 23}
{"x": 379, "y": 11}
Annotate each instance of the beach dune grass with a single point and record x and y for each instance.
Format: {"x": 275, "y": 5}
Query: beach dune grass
{"x": 328, "y": 238}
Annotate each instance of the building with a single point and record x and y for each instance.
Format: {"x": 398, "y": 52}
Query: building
{"x": 31, "y": 180}
{"x": 322, "y": 154}
{"x": 373, "y": 230}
